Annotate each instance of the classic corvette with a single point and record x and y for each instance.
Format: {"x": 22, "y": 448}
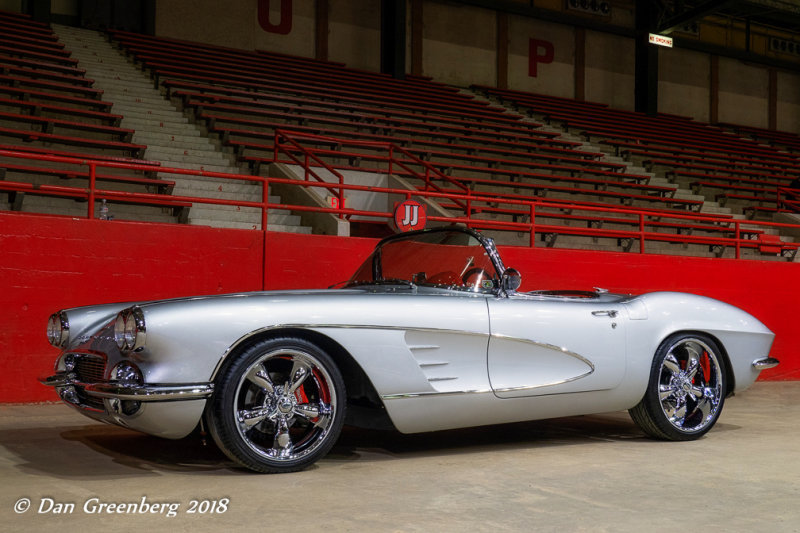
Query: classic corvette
{"x": 430, "y": 333}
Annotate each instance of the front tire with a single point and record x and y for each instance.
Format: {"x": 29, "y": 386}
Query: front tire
{"x": 686, "y": 390}
{"x": 279, "y": 406}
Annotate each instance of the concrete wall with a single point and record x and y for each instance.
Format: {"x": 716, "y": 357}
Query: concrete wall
{"x": 459, "y": 46}
{"x": 296, "y": 17}
{"x": 743, "y": 93}
{"x": 219, "y": 23}
{"x": 609, "y": 70}
{"x": 354, "y": 33}
{"x": 555, "y": 78}
{"x": 788, "y": 102}
{"x": 14, "y": 6}
{"x": 684, "y": 86}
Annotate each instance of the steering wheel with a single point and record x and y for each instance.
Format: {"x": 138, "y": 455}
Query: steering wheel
{"x": 445, "y": 278}
{"x": 474, "y": 277}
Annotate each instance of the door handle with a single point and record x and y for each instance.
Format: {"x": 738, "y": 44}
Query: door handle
{"x": 609, "y": 313}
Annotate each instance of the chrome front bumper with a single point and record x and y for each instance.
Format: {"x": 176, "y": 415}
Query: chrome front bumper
{"x": 142, "y": 393}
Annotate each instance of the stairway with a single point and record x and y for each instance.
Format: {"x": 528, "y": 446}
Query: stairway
{"x": 171, "y": 138}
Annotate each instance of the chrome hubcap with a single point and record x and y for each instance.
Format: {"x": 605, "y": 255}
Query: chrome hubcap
{"x": 285, "y": 402}
{"x": 690, "y": 385}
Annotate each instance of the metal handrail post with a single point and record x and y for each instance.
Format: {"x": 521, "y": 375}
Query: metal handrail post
{"x": 92, "y": 182}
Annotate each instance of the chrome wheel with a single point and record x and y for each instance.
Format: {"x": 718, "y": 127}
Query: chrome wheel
{"x": 690, "y": 385}
{"x": 686, "y": 391}
{"x": 285, "y": 402}
{"x": 281, "y": 406}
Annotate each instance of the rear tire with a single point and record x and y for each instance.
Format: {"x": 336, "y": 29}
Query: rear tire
{"x": 686, "y": 391}
{"x": 279, "y": 406}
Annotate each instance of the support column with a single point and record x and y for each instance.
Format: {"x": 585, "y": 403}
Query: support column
{"x": 713, "y": 91}
{"x": 502, "y": 50}
{"x": 40, "y": 11}
{"x": 773, "y": 99}
{"x": 321, "y": 34}
{"x": 393, "y": 37}
{"x": 580, "y": 64}
{"x": 416, "y": 37}
{"x": 646, "y": 61}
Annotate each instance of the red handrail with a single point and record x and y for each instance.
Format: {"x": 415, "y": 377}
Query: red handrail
{"x": 531, "y": 207}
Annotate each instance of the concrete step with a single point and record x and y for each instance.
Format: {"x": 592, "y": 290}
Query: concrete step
{"x": 173, "y": 141}
{"x": 171, "y": 157}
{"x": 147, "y": 120}
{"x": 225, "y": 169}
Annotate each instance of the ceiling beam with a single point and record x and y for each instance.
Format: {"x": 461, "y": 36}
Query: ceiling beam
{"x": 690, "y": 15}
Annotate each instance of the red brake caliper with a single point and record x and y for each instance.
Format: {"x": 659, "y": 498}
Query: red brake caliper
{"x": 705, "y": 362}
{"x": 324, "y": 394}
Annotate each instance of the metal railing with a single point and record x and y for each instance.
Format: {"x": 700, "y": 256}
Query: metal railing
{"x": 469, "y": 204}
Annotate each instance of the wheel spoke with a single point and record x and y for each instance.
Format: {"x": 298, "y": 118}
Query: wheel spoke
{"x": 258, "y": 376}
{"x": 665, "y": 392}
{"x": 693, "y": 363}
{"x": 283, "y": 441}
{"x": 678, "y": 415}
{"x": 698, "y": 392}
{"x": 307, "y": 410}
{"x": 319, "y": 414}
{"x": 252, "y": 417}
{"x": 300, "y": 371}
{"x": 706, "y": 406}
{"x": 672, "y": 364}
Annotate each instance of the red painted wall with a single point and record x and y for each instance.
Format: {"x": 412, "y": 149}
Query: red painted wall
{"x": 48, "y": 263}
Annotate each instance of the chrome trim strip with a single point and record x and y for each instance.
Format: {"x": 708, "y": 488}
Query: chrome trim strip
{"x": 549, "y": 347}
{"x": 532, "y": 387}
{"x": 426, "y": 330}
{"x": 336, "y": 326}
{"x": 765, "y": 363}
{"x": 142, "y": 393}
{"x": 408, "y": 395}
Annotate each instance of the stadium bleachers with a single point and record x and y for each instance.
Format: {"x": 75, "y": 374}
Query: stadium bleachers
{"x": 699, "y": 155}
{"x": 486, "y": 147}
{"x": 603, "y": 172}
{"x": 50, "y": 108}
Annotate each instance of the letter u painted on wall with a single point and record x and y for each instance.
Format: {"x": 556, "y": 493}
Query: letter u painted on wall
{"x": 284, "y": 25}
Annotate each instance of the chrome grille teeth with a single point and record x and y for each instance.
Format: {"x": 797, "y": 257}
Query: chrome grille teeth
{"x": 90, "y": 369}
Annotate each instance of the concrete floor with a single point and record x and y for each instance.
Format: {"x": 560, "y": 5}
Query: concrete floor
{"x": 593, "y": 473}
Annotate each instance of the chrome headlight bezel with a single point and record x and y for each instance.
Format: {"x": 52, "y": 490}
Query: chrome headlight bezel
{"x": 58, "y": 329}
{"x": 130, "y": 331}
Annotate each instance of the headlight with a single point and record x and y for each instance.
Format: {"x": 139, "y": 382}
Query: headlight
{"x": 58, "y": 329}
{"x": 127, "y": 374}
{"x": 129, "y": 329}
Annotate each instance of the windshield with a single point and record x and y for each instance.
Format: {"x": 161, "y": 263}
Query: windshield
{"x": 451, "y": 259}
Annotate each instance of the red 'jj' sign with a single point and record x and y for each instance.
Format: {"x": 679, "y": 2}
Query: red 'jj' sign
{"x": 410, "y": 215}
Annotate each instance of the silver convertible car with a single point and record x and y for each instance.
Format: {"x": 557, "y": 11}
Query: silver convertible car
{"x": 431, "y": 333}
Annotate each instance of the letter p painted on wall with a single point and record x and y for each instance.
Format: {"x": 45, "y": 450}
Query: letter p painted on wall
{"x": 539, "y": 51}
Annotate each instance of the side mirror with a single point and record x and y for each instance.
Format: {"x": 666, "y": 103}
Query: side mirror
{"x": 511, "y": 280}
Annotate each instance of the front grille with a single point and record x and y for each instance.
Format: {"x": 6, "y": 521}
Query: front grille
{"x": 90, "y": 368}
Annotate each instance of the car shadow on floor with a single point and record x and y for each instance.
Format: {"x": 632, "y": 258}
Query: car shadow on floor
{"x": 106, "y": 452}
